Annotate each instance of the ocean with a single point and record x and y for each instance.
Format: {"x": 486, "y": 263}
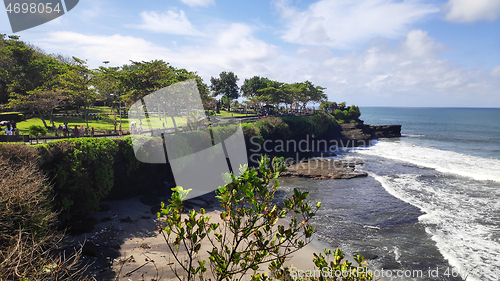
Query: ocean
{"x": 430, "y": 207}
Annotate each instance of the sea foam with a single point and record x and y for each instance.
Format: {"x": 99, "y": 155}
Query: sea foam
{"x": 475, "y": 167}
{"x": 459, "y": 217}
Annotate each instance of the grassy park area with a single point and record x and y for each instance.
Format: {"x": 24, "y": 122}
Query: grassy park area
{"x": 104, "y": 125}
{"x": 224, "y": 113}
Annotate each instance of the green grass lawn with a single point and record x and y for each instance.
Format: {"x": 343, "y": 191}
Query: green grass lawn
{"x": 95, "y": 109}
{"x": 224, "y": 113}
{"x": 99, "y": 126}
{"x": 102, "y": 126}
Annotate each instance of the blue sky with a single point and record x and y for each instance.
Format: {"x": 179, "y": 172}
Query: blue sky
{"x": 365, "y": 52}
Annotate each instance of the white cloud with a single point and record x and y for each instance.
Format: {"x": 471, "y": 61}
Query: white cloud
{"x": 92, "y": 10}
{"x": 169, "y": 22}
{"x": 496, "y": 71}
{"x": 419, "y": 44}
{"x": 469, "y": 11}
{"x": 231, "y": 49}
{"x": 117, "y": 49}
{"x": 202, "y": 3}
{"x": 409, "y": 73}
{"x": 342, "y": 23}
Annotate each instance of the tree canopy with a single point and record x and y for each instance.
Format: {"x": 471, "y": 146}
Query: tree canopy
{"x": 226, "y": 85}
{"x": 270, "y": 92}
{"x": 32, "y": 80}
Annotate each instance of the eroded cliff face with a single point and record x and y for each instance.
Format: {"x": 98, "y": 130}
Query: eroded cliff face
{"x": 360, "y": 131}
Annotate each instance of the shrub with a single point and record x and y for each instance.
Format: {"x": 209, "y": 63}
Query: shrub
{"x": 126, "y": 148}
{"x": 316, "y": 124}
{"x": 248, "y": 235}
{"x": 250, "y": 130}
{"x": 28, "y": 236}
{"x": 339, "y": 115}
{"x": 354, "y": 112}
{"x": 85, "y": 174}
{"x": 223, "y": 132}
{"x": 273, "y": 128}
{"x": 36, "y": 130}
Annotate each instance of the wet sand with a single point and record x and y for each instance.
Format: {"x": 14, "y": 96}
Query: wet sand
{"x": 126, "y": 245}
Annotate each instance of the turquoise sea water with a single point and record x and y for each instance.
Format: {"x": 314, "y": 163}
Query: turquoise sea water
{"x": 471, "y": 131}
{"x": 430, "y": 207}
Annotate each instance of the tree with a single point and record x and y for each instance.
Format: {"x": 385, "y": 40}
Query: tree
{"x": 251, "y": 86}
{"x": 248, "y": 235}
{"x": 29, "y": 77}
{"x": 43, "y": 100}
{"x": 143, "y": 78}
{"x": 272, "y": 93}
{"x": 225, "y": 100}
{"x": 79, "y": 83}
{"x": 226, "y": 85}
{"x": 107, "y": 85}
{"x": 140, "y": 79}
{"x": 291, "y": 93}
{"x": 310, "y": 93}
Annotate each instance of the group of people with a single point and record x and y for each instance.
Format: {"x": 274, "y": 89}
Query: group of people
{"x": 75, "y": 132}
{"x": 63, "y": 129}
{"x": 134, "y": 129}
{"x": 11, "y": 129}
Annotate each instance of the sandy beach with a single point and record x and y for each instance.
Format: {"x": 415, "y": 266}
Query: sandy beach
{"x": 126, "y": 245}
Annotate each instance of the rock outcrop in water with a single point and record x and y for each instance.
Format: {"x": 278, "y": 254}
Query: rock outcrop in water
{"x": 360, "y": 131}
{"x": 325, "y": 168}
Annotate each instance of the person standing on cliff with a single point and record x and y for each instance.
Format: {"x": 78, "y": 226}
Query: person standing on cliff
{"x": 8, "y": 130}
{"x": 64, "y": 129}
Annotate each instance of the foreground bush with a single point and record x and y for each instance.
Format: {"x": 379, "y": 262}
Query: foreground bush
{"x": 249, "y": 234}
{"x": 28, "y": 236}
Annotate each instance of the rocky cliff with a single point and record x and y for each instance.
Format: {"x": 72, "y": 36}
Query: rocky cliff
{"x": 360, "y": 132}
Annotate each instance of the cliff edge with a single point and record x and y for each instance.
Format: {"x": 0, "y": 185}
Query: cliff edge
{"x": 360, "y": 131}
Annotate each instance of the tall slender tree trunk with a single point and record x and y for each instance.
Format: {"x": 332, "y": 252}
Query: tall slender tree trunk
{"x": 173, "y": 120}
{"x": 86, "y": 114}
{"x": 51, "y": 114}
{"x": 41, "y": 117}
{"x": 188, "y": 119}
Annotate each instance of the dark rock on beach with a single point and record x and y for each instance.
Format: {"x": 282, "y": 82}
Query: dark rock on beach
{"x": 325, "y": 168}
{"x": 78, "y": 225}
{"x": 90, "y": 249}
{"x": 150, "y": 200}
{"x": 155, "y": 209}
